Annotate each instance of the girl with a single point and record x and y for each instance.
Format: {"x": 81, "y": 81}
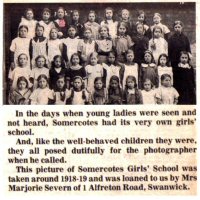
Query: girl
{"x": 164, "y": 68}
{"x": 148, "y": 70}
{"x": 18, "y": 46}
{"x": 131, "y": 94}
{"x": 42, "y": 95}
{"x": 21, "y": 95}
{"x": 57, "y": 69}
{"x": 104, "y": 44}
{"x": 122, "y": 42}
{"x": 185, "y": 80}
{"x": 46, "y": 22}
{"x": 125, "y": 17}
{"x": 166, "y": 94}
{"x": 70, "y": 44}
{"x": 20, "y": 70}
{"x": 86, "y": 46}
{"x": 158, "y": 45}
{"x": 130, "y": 68}
{"x": 41, "y": 68}
{"x": 75, "y": 70}
{"x": 75, "y": 22}
{"x": 38, "y": 45}
{"x": 29, "y": 22}
{"x": 141, "y": 43}
{"x": 115, "y": 92}
{"x": 148, "y": 94}
{"x": 100, "y": 93}
{"x": 177, "y": 42}
{"x": 60, "y": 93}
{"x": 61, "y": 22}
{"x": 112, "y": 25}
{"x": 92, "y": 71}
{"x": 78, "y": 95}
{"x": 92, "y": 24}
{"x": 54, "y": 45}
{"x": 157, "y": 22}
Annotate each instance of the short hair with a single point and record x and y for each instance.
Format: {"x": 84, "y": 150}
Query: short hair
{"x": 157, "y": 14}
{"x": 147, "y": 79}
{"x": 178, "y": 22}
{"x": 28, "y": 9}
{"x": 186, "y": 53}
{"x": 42, "y": 76}
{"x": 39, "y": 25}
{"x": 41, "y": 56}
{"x": 21, "y": 55}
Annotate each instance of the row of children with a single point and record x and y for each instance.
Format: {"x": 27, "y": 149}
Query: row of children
{"x": 119, "y": 55}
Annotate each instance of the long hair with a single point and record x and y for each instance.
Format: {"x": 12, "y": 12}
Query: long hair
{"x": 45, "y": 60}
{"x": 62, "y": 61}
{"x": 167, "y": 59}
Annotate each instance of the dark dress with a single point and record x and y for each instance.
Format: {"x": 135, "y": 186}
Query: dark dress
{"x": 133, "y": 99}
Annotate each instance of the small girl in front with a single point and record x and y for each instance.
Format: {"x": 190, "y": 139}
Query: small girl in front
{"x": 41, "y": 68}
{"x": 148, "y": 93}
{"x": 42, "y": 95}
{"x": 92, "y": 71}
{"x": 77, "y": 94}
{"x": 166, "y": 94}
{"x": 122, "y": 42}
{"x": 148, "y": 70}
{"x": 100, "y": 93}
{"x": 115, "y": 93}
{"x": 131, "y": 94}
{"x": 20, "y": 96}
{"x": 158, "y": 45}
{"x": 164, "y": 68}
{"x": 28, "y": 20}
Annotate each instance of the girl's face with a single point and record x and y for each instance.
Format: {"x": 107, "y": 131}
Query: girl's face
{"x": 87, "y": 34}
{"x": 61, "y": 13}
{"x": 45, "y": 16}
{"x": 104, "y": 32}
{"x": 111, "y": 58}
{"x": 77, "y": 83}
{"x": 147, "y": 58}
{"x": 130, "y": 83}
{"x": 141, "y": 18}
{"x": 178, "y": 28}
{"x": 163, "y": 61}
{"x": 122, "y": 30}
{"x": 22, "y": 85}
{"x": 147, "y": 85}
{"x": 98, "y": 84}
{"x": 54, "y": 34}
{"x": 40, "y": 62}
{"x": 114, "y": 84}
{"x": 184, "y": 58}
{"x": 93, "y": 60}
{"x": 91, "y": 17}
{"x": 57, "y": 62}
{"x": 23, "y": 60}
{"x": 23, "y": 32}
{"x": 60, "y": 83}
{"x": 156, "y": 19}
{"x": 42, "y": 83}
{"x": 109, "y": 14}
{"x": 29, "y": 15}
{"x": 140, "y": 29}
{"x": 157, "y": 33}
{"x": 75, "y": 60}
{"x": 39, "y": 31}
{"x": 71, "y": 32}
{"x": 166, "y": 82}
{"x": 75, "y": 16}
{"x": 125, "y": 15}
{"x": 130, "y": 57}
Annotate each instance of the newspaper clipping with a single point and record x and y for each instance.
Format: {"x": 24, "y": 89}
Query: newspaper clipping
{"x": 99, "y": 98}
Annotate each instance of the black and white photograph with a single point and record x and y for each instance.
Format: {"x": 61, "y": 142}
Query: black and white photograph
{"x": 99, "y": 53}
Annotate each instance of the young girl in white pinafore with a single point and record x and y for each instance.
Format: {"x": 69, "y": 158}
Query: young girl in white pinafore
{"x": 28, "y": 20}
{"x": 46, "y": 22}
{"x": 92, "y": 71}
{"x": 54, "y": 45}
{"x": 38, "y": 45}
{"x": 130, "y": 68}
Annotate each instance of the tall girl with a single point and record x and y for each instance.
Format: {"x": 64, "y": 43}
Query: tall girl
{"x": 29, "y": 22}
{"x": 110, "y": 22}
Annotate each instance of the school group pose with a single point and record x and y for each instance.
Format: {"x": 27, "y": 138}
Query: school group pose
{"x": 62, "y": 61}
